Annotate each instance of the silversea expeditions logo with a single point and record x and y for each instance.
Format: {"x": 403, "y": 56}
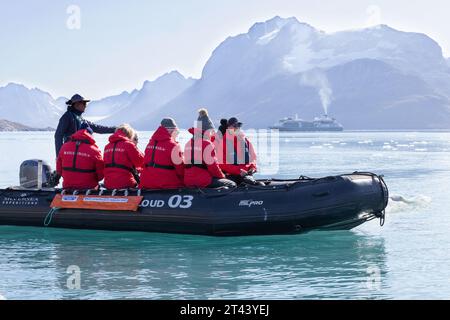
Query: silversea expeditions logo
{"x": 20, "y": 201}
{"x": 250, "y": 203}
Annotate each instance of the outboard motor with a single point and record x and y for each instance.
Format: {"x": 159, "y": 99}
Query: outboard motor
{"x": 36, "y": 174}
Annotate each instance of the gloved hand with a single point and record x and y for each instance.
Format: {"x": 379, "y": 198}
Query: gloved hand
{"x": 54, "y": 179}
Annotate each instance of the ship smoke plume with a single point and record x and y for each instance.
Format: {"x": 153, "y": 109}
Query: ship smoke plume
{"x": 317, "y": 78}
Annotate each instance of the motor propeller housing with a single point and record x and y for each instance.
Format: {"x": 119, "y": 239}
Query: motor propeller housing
{"x": 36, "y": 174}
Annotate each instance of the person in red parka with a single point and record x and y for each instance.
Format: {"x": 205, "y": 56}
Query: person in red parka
{"x": 237, "y": 157}
{"x": 123, "y": 160}
{"x": 201, "y": 167}
{"x": 80, "y": 162}
{"x": 164, "y": 167}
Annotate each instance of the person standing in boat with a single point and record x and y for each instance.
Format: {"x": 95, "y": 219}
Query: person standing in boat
{"x": 72, "y": 120}
{"x": 237, "y": 156}
{"x": 164, "y": 163}
{"x": 201, "y": 165}
{"x": 123, "y": 160}
{"x": 80, "y": 161}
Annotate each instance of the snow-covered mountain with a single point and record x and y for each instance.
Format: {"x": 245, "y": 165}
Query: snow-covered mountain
{"x": 30, "y": 107}
{"x": 9, "y": 126}
{"x": 129, "y": 107}
{"x": 61, "y": 103}
{"x": 371, "y": 78}
{"x": 108, "y": 107}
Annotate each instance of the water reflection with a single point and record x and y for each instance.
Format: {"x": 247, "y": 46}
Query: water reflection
{"x": 33, "y": 264}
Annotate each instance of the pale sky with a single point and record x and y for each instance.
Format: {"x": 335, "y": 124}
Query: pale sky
{"x": 120, "y": 44}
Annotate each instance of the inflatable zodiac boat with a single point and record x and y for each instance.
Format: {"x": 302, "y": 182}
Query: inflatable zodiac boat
{"x": 280, "y": 207}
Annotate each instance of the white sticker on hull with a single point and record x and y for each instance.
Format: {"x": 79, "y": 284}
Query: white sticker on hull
{"x": 69, "y": 198}
{"x": 108, "y": 200}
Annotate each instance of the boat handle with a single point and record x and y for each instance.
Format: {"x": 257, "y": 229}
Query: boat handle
{"x": 321, "y": 194}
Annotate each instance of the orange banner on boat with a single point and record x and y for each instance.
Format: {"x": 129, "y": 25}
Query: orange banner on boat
{"x": 107, "y": 203}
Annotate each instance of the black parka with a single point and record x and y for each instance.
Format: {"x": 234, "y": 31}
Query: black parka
{"x": 70, "y": 123}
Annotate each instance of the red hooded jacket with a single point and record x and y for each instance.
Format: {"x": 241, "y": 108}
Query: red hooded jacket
{"x": 122, "y": 157}
{"x": 80, "y": 162}
{"x": 235, "y": 153}
{"x": 200, "y": 172}
{"x": 164, "y": 168}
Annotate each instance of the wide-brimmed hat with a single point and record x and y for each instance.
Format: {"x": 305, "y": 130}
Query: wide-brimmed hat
{"x": 76, "y": 98}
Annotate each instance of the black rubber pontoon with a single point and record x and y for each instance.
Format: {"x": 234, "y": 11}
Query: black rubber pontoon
{"x": 281, "y": 207}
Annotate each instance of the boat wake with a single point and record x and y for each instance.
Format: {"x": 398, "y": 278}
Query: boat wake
{"x": 399, "y": 203}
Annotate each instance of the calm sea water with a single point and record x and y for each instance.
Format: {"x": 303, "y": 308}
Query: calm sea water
{"x": 408, "y": 258}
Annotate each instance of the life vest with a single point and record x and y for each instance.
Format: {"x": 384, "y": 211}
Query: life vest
{"x": 193, "y": 163}
{"x": 113, "y": 163}
{"x": 231, "y": 156}
{"x": 74, "y": 167}
{"x": 246, "y": 152}
{"x": 153, "y": 164}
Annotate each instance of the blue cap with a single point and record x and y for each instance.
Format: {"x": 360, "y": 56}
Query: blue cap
{"x": 76, "y": 98}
